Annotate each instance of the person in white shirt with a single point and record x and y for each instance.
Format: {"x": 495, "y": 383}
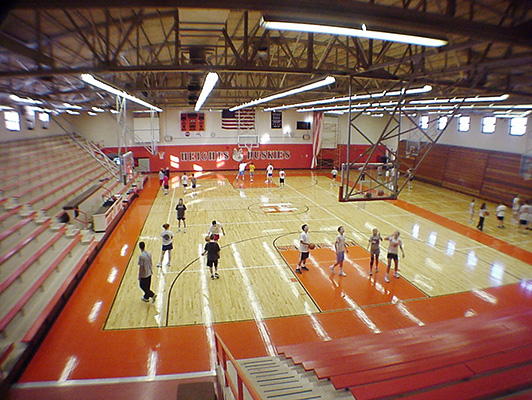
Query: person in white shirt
{"x": 282, "y": 175}
{"x": 340, "y": 248}
{"x": 216, "y": 229}
{"x": 269, "y": 173}
{"x": 304, "y": 242}
{"x": 184, "y": 182}
{"x": 471, "y": 211}
{"x": 334, "y": 173}
{"x": 241, "y": 170}
{"x": 499, "y": 213}
{"x": 516, "y": 205}
{"x": 168, "y": 238}
{"x": 393, "y": 254}
{"x": 524, "y": 212}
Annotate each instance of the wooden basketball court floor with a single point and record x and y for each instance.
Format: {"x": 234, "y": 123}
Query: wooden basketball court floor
{"x": 450, "y": 270}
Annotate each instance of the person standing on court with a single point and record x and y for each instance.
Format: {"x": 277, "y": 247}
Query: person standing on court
{"x": 340, "y": 248}
{"x": 184, "y": 182}
{"x": 166, "y": 184}
{"x": 500, "y": 211}
{"x": 282, "y": 175}
{"x": 242, "y": 171}
{"x": 269, "y": 173}
{"x": 251, "y": 171}
{"x": 516, "y": 205}
{"x": 304, "y": 242}
{"x": 181, "y": 208}
{"x": 212, "y": 249}
{"x": 216, "y": 229}
{"x": 168, "y": 237}
{"x": 193, "y": 185}
{"x": 161, "y": 177}
{"x": 393, "y": 254}
{"x": 471, "y": 210}
{"x": 145, "y": 272}
{"x": 482, "y": 214}
{"x": 334, "y": 173}
{"x": 374, "y": 242}
{"x": 524, "y": 213}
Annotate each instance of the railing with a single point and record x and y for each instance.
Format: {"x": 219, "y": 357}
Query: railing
{"x": 241, "y": 379}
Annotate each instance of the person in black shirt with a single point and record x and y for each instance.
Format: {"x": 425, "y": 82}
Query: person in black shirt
{"x": 181, "y": 208}
{"x": 212, "y": 249}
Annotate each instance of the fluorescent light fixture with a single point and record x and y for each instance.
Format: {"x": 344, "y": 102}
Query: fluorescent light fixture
{"x": 2, "y": 108}
{"x": 363, "y": 33}
{"x": 208, "y": 85}
{"x": 365, "y": 96}
{"x": 97, "y": 109}
{"x": 72, "y": 112}
{"x": 311, "y": 86}
{"x": 91, "y": 80}
{"x": 92, "y": 113}
{"x": 27, "y": 100}
{"x": 113, "y": 111}
{"x": 476, "y": 99}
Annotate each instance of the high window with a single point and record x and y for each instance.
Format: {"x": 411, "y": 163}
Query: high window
{"x": 518, "y": 126}
{"x": 488, "y": 124}
{"x": 424, "y": 122}
{"x": 442, "y": 123}
{"x": 464, "y": 124}
{"x": 12, "y": 120}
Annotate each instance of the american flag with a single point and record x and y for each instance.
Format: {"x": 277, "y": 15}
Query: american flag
{"x": 239, "y": 119}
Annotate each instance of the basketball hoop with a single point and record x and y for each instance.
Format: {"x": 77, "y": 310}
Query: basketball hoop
{"x": 161, "y": 154}
{"x": 248, "y": 142}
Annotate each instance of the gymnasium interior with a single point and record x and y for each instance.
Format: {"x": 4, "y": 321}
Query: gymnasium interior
{"x": 266, "y": 119}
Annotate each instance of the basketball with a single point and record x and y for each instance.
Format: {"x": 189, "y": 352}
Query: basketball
{"x": 312, "y": 246}
{"x": 207, "y": 238}
{"x": 380, "y": 192}
{"x": 487, "y": 213}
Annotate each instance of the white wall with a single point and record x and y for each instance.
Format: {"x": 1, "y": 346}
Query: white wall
{"x": 103, "y": 129}
{"x": 25, "y": 133}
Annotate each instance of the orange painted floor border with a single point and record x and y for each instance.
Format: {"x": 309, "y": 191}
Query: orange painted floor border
{"x": 472, "y": 233}
{"x": 331, "y": 291}
{"x": 79, "y": 342}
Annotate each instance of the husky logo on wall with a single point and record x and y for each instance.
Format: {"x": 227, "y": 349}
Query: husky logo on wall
{"x": 238, "y": 154}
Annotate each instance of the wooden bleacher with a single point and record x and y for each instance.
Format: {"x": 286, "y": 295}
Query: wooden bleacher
{"x": 42, "y": 259}
{"x": 484, "y": 356}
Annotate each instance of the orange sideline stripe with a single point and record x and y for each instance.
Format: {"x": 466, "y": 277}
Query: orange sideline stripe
{"x": 497, "y": 244}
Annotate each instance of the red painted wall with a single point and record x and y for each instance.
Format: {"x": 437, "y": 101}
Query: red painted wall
{"x": 220, "y": 157}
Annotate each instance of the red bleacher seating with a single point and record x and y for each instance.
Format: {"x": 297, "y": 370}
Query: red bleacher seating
{"x": 39, "y": 322}
{"x": 31, "y": 291}
{"x": 429, "y": 362}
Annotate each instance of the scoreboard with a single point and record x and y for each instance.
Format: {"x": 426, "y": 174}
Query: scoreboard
{"x": 192, "y": 122}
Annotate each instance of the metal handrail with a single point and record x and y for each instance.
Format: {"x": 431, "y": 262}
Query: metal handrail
{"x": 242, "y": 380}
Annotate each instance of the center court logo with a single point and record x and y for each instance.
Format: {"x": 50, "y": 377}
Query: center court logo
{"x": 278, "y": 208}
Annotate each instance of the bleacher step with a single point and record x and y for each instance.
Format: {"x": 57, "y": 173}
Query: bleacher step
{"x": 278, "y": 378}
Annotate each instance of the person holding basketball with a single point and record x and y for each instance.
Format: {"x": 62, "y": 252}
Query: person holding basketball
{"x": 393, "y": 254}
{"x": 340, "y": 248}
{"x": 304, "y": 243}
{"x": 168, "y": 237}
{"x": 212, "y": 249}
{"x": 216, "y": 229}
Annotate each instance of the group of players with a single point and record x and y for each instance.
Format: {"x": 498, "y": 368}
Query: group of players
{"x": 212, "y": 248}
{"x": 340, "y": 248}
{"x": 269, "y": 173}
